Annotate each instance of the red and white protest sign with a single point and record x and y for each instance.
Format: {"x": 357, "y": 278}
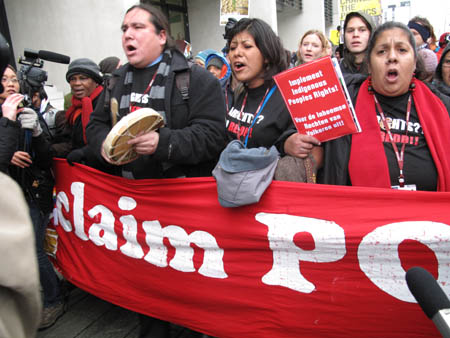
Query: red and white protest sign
{"x": 307, "y": 260}
{"x": 315, "y": 97}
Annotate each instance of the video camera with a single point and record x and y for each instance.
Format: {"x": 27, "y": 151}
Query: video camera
{"x": 228, "y": 27}
{"x": 31, "y": 75}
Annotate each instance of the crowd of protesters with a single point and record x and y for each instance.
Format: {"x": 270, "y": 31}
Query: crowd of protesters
{"x": 398, "y": 77}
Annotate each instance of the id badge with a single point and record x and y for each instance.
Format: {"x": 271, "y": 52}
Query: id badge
{"x": 411, "y": 187}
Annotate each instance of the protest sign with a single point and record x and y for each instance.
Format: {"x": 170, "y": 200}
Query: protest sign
{"x": 370, "y": 7}
{"x": 315, "y": 95}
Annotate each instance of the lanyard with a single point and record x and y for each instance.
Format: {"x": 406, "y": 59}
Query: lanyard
{"x": 226, "y": 96}
{"x": 147, "y": 90}
{"x": 263, "y": 102}
{"x": 399, "y": 155}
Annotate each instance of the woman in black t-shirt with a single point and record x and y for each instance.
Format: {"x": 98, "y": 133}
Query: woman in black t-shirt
{"x": 259, "y": 116}
{"x": 412, "y": 152}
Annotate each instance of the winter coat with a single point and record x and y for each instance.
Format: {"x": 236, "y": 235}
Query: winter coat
{"x": 193, "y": 137}
{"x": 9, "y": 131}
{"x": 36, "y": 180}
{"x": 226, "y": 68}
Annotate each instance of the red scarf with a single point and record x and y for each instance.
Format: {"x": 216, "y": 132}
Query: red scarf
{"x": 83, "y": 107}
{"x": 368, "y": 165}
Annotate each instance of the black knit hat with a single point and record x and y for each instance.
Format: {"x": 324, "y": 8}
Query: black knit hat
{"x": 214, "y": 61}
{"x": 86, "y": 67}
{"x": 109, "y": 64}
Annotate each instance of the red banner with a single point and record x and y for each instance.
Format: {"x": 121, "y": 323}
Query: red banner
{"x": 307, "y": 260}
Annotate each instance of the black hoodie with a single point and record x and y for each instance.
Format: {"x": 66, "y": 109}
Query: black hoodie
{"x": 348, "y": 64}
{"x": 438, "y": 81}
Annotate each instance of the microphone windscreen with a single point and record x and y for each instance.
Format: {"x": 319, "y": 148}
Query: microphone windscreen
{"x": 426, "y": 291}
{"x": 53, "y": 57}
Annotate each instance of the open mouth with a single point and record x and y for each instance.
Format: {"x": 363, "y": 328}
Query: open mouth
{"x": 238, "y": 66}
{"x": 130, "y": 49}
{"x": 392, "y": 75}
{"x": 78, "y": 92}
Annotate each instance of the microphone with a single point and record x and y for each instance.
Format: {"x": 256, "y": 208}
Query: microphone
{"x": 53, "y": 57}
{"x": 430, "y": 297}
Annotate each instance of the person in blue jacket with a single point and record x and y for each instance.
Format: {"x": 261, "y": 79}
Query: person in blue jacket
{"x": 218, "y": 65}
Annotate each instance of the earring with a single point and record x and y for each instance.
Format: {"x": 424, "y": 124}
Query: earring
{"x": 412, "y": 85}
{"x": 369, "y": 87}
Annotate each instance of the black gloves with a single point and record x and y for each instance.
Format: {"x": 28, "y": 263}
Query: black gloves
{"x": 76, "y": 155}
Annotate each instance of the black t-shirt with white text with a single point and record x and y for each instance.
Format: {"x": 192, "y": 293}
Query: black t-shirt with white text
{"x": 419, "y": 167}
{"x": 271, "y": 123}
{"x": 141, "y": 80}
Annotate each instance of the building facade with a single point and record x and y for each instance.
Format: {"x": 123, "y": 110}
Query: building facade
{"x": 86, "y": 28}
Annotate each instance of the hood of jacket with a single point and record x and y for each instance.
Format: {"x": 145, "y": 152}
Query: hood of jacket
{"x": 348, "y": 59}
{"x": 226, "y": 68}
{"x": 438, "y": 73}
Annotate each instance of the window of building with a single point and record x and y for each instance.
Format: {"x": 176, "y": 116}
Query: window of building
{"x": 289, "y": 5}
{"x": 328, "y": 4}
{"x": 176, "y": 11}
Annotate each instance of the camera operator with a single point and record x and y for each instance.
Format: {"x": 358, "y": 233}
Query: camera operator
{"x": 40, "y": 104}
{"x": 30, "y": 167}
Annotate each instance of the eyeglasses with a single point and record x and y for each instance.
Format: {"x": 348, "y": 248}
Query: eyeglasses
{"x": 13, "y": 80}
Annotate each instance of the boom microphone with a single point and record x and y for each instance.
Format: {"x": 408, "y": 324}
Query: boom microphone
{"x": 53, "y": 57}
{"x": 430, "y": 297}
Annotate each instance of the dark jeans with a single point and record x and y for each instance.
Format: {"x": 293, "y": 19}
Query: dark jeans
{"x": 153, "y": 327}
{"x": 48, "y": 278}
{"x": 156, "y": 328}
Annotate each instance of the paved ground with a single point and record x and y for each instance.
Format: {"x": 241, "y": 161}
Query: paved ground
{"x": 90, "y": 317}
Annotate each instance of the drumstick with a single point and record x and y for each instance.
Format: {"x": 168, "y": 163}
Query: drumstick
{"x": 114, "y": 111}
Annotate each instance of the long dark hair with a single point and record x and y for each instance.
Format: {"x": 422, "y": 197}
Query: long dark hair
{"x": 348, "y": 58}
{"x": 268, "y": 43}
{"x": 386, "y": 27}
{"x": 412, "y": 41}
{"x": 158, "y": 19}
{"x": 2, "y": 89}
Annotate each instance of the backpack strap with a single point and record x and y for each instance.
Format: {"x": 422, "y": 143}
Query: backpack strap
{"x": 182, "y": 80}
{"x": 109, "y": 84}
